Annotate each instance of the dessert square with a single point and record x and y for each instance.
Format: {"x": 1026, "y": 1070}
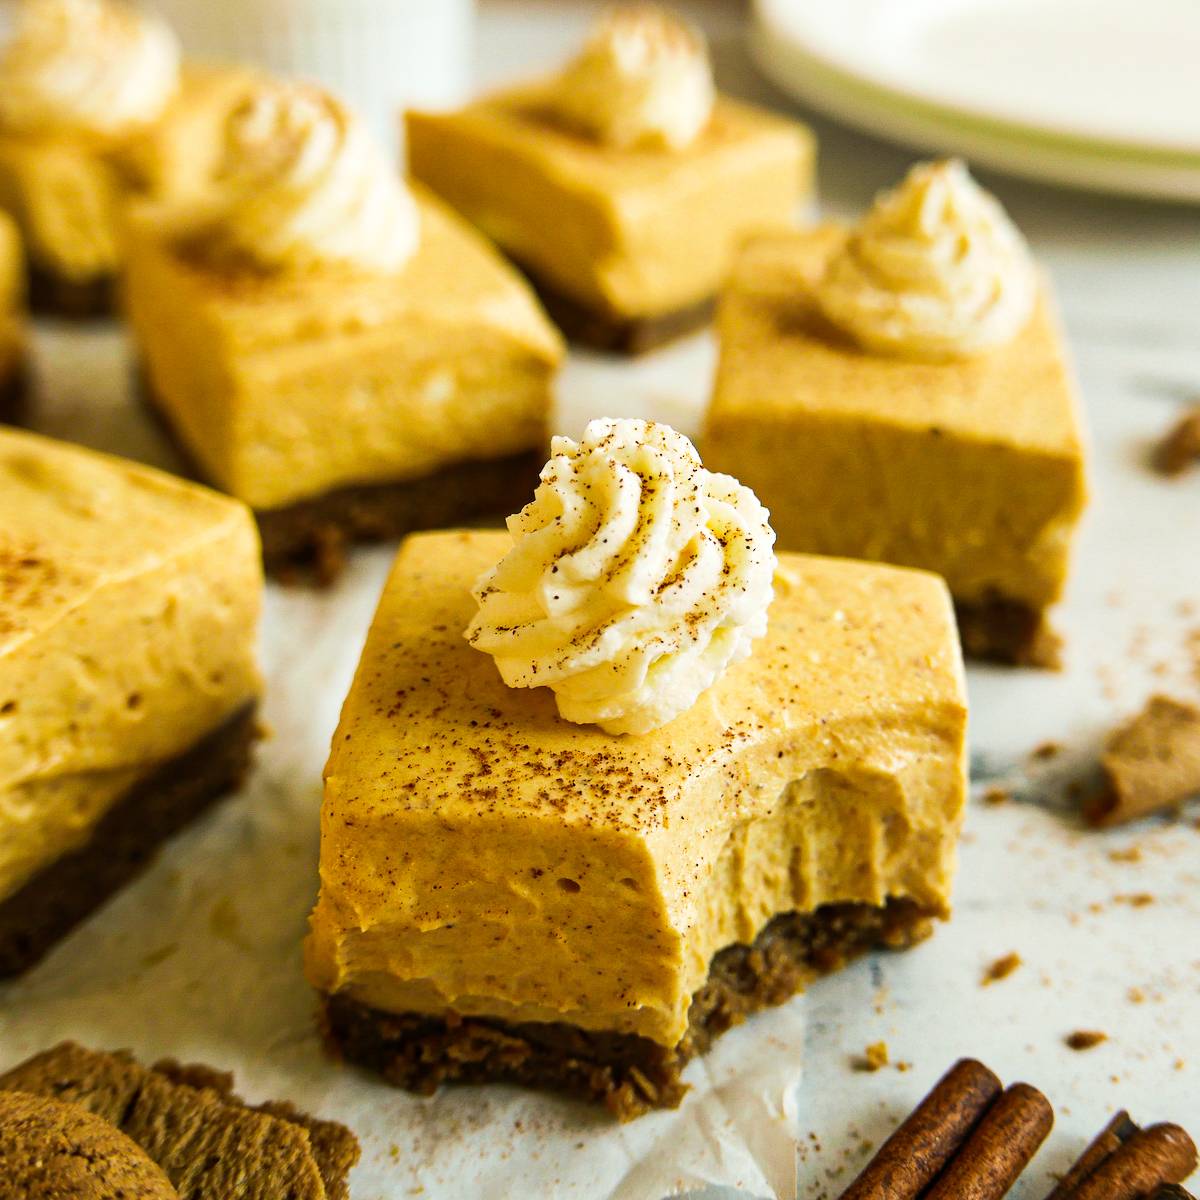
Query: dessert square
{"x": 95, "y": 108}
{"x": 509, "y": 896}
{"x": 345, "y": 406}
{"x": 129, "y": 603}
{"x": 12, "y": 323}
{"x": 626, "y": 246}
{"x": 66, "y": 200}
{"x": 973, "y": 468}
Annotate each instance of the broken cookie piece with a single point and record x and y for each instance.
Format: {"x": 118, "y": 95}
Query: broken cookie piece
{"x": 207, "y": 1141}
{"x": 1180, "y": 449}
{"x": 49, "y": 1149}
{"x": 1152, "y": 763}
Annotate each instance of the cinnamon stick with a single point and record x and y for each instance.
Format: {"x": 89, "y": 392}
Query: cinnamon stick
{"x": 1119, "y": 1130}
{"x": 1150, "y": 1158}
{"x": 999, "y": 1149}
{"x": 913, "y": 1157}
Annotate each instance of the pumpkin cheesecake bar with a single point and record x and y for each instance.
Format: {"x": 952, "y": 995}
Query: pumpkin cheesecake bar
{"x": 13, "y": 378}
{"x": 335, "y": 349}
{"x": 96, "y": 108}
{"x": 129, "y": 603}
{"x": 622, "y": 184}
{"x": 80, "y": 82}
{"x": 576, "y": 865}
{"x": 917, "y": 369}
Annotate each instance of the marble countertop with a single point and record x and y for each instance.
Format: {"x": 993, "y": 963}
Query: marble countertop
{"x": 1105, "y": 924}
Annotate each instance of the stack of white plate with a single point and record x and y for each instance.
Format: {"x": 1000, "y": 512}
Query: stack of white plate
{"x": 1098, "y": 94}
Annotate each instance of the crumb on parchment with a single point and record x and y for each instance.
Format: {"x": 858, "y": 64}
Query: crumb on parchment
{"x": 874, "y": 1058}
{"x": 1002, "y": 968}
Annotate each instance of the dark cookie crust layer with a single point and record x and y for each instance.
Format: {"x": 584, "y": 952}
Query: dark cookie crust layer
{"x": 615, "y": 334}
{"x": 630, "y": 1074}
{"x": 122, "y": 845}
{"x": 310, "y": 538}
{"x": 14, "y": 397}
{"x": 53, "y": 295}
{"x": 312, "y": 535}
{"x": 1006, "y": 631}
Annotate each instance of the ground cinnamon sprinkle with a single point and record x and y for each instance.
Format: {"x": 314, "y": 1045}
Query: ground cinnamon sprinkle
{"x": 1047, "y": 750}
{"x": 996, "y": 795}
{"x": 1085, "y": 1039}
{"x": 1002, "y": 968}
{"x": 1132, "y": 854}
{"x": 1192, "y": 644}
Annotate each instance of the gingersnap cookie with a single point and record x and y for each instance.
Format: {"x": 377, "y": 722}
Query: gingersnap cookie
{"x": 50, "y": 1150}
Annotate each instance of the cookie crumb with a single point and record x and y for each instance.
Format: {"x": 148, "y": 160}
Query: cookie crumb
{"x": 1085, "y": 1039}
{"x": 1151, "y": 763}
{"x": 1002, "y": 968}
{"x": 874, "y": 1058}
{"x": 1046, "y": 750}
{"x": 1180, "y": 448}
{"x": 1132, "y": 854}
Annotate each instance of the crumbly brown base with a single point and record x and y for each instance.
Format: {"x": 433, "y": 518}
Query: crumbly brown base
{"x": 59, "y": 897}
{"x": 308, "y": 539}
{"x": 14, "y": 396}
{"x": 631, "y": 1075}
{"x": 1006, "y": 631}
{"x": 598, "y": 329}
{"x": 53, "y": 295}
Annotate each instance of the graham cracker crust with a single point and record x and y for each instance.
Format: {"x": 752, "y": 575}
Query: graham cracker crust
{"x": 311, "y": 536}
{"x": 309, "y": 539}
{"x": 14, "y": 397}
{"x": 53, "y": 295}
{"x": 1008, "y": 632}
{"x": 631, "y": 1075}
{"x": 597, "y": 329}
{"x": 59, "y": 897}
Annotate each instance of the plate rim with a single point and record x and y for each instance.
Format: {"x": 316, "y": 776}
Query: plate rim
{"x": 874, "y": 110}
{"x": 765, "y": 17}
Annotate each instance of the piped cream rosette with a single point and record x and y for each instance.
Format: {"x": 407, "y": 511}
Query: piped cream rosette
{"x": 935, "y": 271}
{"x": 642, "y": 81}
{"x": 303, "y": 186}
{"x": 636, "y": 577}
{"x": 95, "y": 67}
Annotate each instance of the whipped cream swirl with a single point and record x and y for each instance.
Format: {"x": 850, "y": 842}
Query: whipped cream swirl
{"x": 635, "y": 578}
{"x": 642, "y": 81}
{"x": 98, "y": 67}
{"x": 936, "y": 270}
{"x": 303, "y": 186}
